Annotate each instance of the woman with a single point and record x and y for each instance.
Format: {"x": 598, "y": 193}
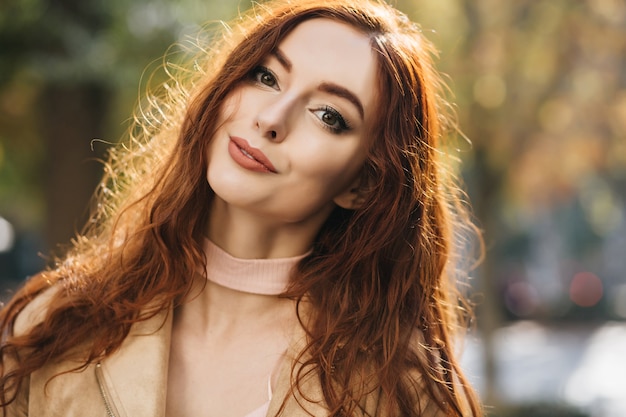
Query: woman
{"x": 277, "y": 239}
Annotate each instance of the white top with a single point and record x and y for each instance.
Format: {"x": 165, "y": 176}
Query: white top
{"x": 262, "y": 410}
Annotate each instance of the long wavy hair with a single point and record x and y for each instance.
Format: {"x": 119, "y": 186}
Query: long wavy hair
{"x": 380, "y": 280}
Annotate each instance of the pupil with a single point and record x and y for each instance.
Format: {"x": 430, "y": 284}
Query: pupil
{"x": 329, "y": 118}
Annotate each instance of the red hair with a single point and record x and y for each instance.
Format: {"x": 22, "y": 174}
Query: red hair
{"x": 379, "y": 279}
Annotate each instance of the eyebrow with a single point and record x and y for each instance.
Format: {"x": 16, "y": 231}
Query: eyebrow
{"x": 326, "y": 87}
{"x": 282, "y": 59}
{"x": 343, "y": 93}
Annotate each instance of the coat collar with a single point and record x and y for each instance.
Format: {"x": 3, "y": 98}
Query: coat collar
{"x": 134, "y": 380}
{"x": 136, "y": 374}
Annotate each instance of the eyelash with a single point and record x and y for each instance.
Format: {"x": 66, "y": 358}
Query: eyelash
{"x": 344, "y": 126}
{"x": 259, "y": 71}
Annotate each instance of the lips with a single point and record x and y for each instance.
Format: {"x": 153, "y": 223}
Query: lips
{"x": 248, "y": 157}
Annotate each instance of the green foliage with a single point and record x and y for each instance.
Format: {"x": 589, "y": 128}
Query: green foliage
{"x": 69, "y": 44}
{"x": 538, "y": 84}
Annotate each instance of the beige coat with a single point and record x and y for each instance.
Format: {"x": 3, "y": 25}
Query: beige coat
{"x": 132, "y": 382}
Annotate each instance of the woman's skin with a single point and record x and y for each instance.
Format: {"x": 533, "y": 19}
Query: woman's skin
{"x": 277, "y": 214}
{"x": 308, "y": 109}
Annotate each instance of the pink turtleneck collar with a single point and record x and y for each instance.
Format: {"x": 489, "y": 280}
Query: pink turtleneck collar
{"x": 255, "y": 276}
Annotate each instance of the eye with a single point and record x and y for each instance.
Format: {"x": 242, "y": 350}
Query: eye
{"x": 264, "y": 76}
{"x": 332, "y": 120}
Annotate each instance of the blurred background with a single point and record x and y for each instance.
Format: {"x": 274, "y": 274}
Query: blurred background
{"x": 540, "y": 88}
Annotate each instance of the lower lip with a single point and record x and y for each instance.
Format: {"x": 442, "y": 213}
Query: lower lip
{"x": 244, "y": 161}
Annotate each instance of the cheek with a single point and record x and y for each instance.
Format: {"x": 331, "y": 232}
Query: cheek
{"x": 230, "y": 106}
{"x": 332, "y": 157}
{"x": 229, "y": 111}
{"x": 330, "y": 168}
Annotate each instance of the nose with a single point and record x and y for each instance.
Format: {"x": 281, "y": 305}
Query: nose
{"x": 272, "y": 119}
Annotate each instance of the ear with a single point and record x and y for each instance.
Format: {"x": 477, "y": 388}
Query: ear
{"x": 353, "y": 197}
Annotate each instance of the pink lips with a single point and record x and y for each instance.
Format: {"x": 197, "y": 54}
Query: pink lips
{"x": 249, "y": 157}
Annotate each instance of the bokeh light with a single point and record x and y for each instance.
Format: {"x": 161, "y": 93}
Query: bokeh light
{"x": 586, "y": 289}
{"x": 7, "y": 235}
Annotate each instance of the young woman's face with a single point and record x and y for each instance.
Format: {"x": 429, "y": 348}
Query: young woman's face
{"x": 293, "y": 137}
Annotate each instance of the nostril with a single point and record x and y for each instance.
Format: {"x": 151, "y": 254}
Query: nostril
{"x": 273, "y": 133}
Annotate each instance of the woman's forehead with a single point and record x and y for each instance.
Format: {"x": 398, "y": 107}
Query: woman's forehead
{"x": 328, "y": 51}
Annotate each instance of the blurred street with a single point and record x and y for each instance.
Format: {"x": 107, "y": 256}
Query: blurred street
{"x": 538, "y": 94}
{"x": 578, "y": 364}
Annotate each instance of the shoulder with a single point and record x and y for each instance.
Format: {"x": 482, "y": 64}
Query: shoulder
{"x": 34, "y": 312}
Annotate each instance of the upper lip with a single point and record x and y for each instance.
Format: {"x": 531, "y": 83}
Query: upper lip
{"x": 254, "y": 152}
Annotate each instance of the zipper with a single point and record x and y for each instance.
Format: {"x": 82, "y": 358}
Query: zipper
{"x": 106, "y": 398}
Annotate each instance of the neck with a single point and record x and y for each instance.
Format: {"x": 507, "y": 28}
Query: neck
{"x": 239, "y": 291}
{"x": 221, "y": 310}
{"x": 250, "y": 236}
